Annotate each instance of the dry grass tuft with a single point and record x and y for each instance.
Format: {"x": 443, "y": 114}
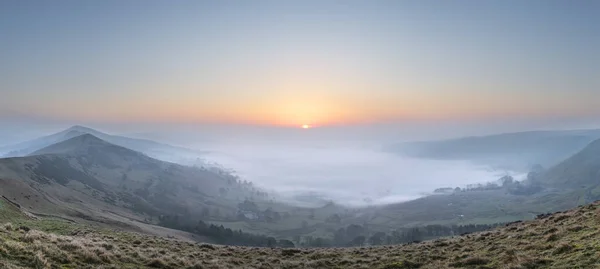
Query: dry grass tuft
{"x": 39, "y": 261}
{"x": 7, "y": 227}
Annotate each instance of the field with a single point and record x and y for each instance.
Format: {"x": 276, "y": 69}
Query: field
{"x": 563, "y": 240}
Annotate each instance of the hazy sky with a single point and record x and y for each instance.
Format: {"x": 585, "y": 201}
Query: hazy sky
{"x": 299, "y": 62}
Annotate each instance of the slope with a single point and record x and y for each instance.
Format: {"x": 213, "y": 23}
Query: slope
{"x": 515, "y": 151}
{"x": 151, "y": 148}
{"x": 562, "y": 240}
{"x": 580, "y": 170}
{"x": 88, "y": 178}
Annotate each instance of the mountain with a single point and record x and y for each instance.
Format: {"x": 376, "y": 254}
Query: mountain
{"x": 580, "y": 170}
{"x": 151, "y": 148}
{"x": 561, "y": 240}
{"x": 513, "y": 151}
{"x": 89, "y": 178}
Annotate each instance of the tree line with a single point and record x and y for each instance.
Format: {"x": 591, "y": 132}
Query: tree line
{"x": 351, "y": 236}
{"x": 356, "y": 235}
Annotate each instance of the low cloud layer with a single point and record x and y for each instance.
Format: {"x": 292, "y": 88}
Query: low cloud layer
{"x": 348, "y": 173}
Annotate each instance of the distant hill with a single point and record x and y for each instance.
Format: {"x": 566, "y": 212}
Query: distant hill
{"x": 151, "y": 148}
{"x": 579, "y": 170}
{"x": 87, "y": 177}
{"x": 514, "y": 151}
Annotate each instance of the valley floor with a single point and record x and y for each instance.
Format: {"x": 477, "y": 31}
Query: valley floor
{"x": 563, "y": 240}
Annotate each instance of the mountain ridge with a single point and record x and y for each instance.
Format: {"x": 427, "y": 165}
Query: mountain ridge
{"x": 82, "y": 145}
{"x": 87, "y": 177}
{"x": 580, "y": 170}
{"x": 513, "y": 151}
{"x": 151, "y": 148}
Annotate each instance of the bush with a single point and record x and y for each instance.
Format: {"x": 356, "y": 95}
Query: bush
{"x": 402, "y": 265}
{"x": 207, "y": 246}
{"x": 290, "y": 252}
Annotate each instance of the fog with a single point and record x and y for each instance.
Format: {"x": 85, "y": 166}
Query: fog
{"x": 353, "y": 175}
{"x": 344, "y": 164}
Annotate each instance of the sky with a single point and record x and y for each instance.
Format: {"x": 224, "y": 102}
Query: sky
{"x": 291, "y": 63}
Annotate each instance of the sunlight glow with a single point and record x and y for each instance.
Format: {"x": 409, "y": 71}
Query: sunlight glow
{"x": 306, "y": 126}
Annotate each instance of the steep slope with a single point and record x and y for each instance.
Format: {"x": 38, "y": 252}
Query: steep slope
{"x": 563, "y": 240}
{"x": 511, "y": 151}
{"x": 151, "y": 148}
{"x": 87, "y": 177}
{"x": 580, "y": 170}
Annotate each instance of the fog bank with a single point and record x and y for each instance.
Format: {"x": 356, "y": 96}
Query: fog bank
{"x": 348, "y": 173}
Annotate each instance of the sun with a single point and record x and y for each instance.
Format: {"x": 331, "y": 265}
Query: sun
{"x": 306, "y": 126}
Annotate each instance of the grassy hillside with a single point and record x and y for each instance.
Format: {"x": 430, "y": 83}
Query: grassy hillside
{"x": 87, "y": 178}
{"x": 580, "y": 170}
{"x": 564, "y": 240}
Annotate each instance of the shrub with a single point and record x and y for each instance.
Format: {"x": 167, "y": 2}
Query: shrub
{"x": 402, "y": 265}
{"x": 8, "y": 226}
{"x": 536, "y": 263}
{"x": 290, "y": 251}
{"x": 39, "y": 261}
{"x": 471, "y": 262}
{"x": 157, "y": 263}
{"x": 562, "y": 249}
{"x": 207, "y": 246}
{"x": 552, "y": 237}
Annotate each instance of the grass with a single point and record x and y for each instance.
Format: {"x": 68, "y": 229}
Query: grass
{"x": 564, "y": 240}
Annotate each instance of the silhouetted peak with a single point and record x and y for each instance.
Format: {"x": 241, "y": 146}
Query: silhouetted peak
{"x": 81, "y": 129}
{"x": 87, "y": 137}
{"x": 73, "y": 133}
{"x": 79, "y": 143}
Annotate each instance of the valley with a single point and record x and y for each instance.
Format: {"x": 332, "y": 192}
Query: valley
{"x": 87, "y": 183}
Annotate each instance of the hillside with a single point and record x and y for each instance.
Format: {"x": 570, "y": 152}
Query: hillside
{"x": 88, "y": 178}
{"x": 513, "y": 151}
{"x": 580, "y": 170}
{"x": 151, "y": 148}
{"x": 562, "y": 240}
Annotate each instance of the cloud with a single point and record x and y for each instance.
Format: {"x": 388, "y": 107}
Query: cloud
{"x": 348, "y": 173}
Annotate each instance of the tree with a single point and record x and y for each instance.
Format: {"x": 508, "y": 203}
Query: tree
{"x": 377, "y": 238}
{"x": 354, "y": 230}
{"x": 507, "y": 181}
{"x": 283, "y": 243}
{"x": 205, "y": 212}
{"x": 248, "y": 205}
{"x": 216, "y": 212}
{"x": 223, "y": 191}
{"x": 271, "y": 242}
{"x": 339, "y": 237}
{"x": 276, "y": 216}
{"x": 358, "y": 241}
{"x": 297, "y": 239}
{"x": 335, "y": 218}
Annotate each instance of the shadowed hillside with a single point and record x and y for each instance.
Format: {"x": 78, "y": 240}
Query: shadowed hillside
{"x": 87, "y": 178}
{"x": 580, "y": 170}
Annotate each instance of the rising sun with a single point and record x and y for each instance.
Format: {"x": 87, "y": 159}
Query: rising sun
{"x": 305, "y": 126}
